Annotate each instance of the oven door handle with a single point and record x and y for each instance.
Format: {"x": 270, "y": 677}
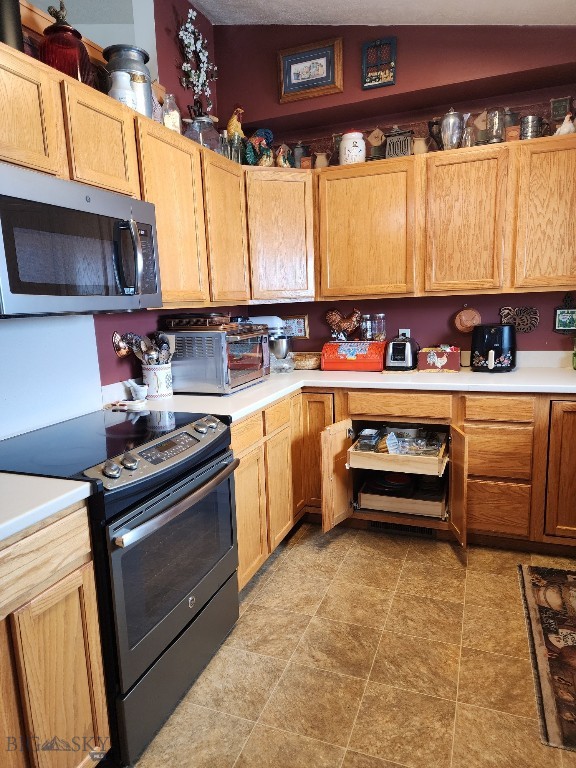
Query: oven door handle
{"x": 139, "y": 533}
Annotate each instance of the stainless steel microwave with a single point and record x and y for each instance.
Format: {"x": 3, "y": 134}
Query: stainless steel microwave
{"x": 68, "y": 247}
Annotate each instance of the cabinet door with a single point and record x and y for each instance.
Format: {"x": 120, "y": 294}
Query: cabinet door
{"x": 225, "y": 206}
{"x": 101, "y": 140}
{"x": 57, "y": 644}
{"x": 458, "y": 483}
{"x": 31, "y": 130}
{"x": 299, "y": 469}
{"x": 171, "y": 173}
{"x": 336, "y": 478}
{"x": 465, "y": 218}
{"x": 250, "y": 484}
{"x": 281, "y": 237}
{"x": 545, "y": 254}
{"x": 560, "y": 508}
{"x": 367, "y": 223}
{"x": 11, "y": 725}
{"x": 317, "y": 413}
{"x": 278, "y": 486}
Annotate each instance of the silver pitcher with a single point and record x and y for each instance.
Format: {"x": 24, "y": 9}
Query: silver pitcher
{"x": 452, "y": 128}
{"x": 129, "y": 58}
{"x": 532, "y": 127}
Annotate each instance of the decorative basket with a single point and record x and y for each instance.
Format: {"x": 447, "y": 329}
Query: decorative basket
{"x": 306, "y": 361}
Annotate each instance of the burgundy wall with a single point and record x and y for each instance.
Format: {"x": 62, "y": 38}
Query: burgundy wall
{"x": 429, "y": 318}
{"x": 435, "y": 65}
{"x": 169, "y": 15}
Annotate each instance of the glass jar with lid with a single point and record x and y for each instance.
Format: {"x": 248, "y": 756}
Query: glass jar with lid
{"x": 366, "y": 327}
{"x": 379, "y": 327}
{"x": 201, "y": 130}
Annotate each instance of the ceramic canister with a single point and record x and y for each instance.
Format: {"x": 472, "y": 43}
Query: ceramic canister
{"x": 352, "y": 148}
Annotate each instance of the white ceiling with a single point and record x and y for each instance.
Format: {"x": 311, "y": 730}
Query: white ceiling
{"x": 390, "y": 12}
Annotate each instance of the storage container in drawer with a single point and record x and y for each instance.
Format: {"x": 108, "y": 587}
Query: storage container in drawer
{"x": 500, "y": 451}
{"x": 500, "y": 508}
{"x": 486, "y": 408}
{"x": 247, "y": 433}
{"x": 395, "y": 462}
{"x": 277, "y": 415}
{"x": 409, "y": 405}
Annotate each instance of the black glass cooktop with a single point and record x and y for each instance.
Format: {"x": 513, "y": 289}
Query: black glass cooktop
{"x": 70, "y": 447}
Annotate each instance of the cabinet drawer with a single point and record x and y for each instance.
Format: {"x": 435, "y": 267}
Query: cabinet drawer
{"x": 485, "y": 408}
{"x": 247, "y": 433}
{"x": 502, "y": 508}
{"x": 409, "y": 405}
{"x": 34, "y": 563}
{"x": 420, "y": 465}
{"x": 500, "y": 451}
{"x": 276, "y": 416}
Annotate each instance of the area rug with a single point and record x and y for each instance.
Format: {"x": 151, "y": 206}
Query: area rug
{"x": 550, "y": 607}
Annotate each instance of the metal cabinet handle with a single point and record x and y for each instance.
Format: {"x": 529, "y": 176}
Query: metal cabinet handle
{"x": 138, "y": 256}
{"x": 139, "y": 533}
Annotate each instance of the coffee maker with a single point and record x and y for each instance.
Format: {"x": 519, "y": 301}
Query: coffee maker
{"x": 493, "y": 348}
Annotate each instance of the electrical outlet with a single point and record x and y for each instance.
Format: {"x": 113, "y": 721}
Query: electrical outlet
{"x": 403, "y": 331}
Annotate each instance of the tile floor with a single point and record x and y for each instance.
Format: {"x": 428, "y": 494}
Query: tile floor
{"x": 359, "y": 649}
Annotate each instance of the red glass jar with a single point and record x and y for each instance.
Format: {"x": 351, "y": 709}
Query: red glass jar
{"x": 63, "y": 49}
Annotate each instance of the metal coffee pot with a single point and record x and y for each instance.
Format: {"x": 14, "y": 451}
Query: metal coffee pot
{"x": 452, "y": 128}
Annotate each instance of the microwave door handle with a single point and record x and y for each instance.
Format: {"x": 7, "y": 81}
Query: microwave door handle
{"x": 138, "y": 256}
{"x": 118, "y": 266}
{"x": 150, "y": 526}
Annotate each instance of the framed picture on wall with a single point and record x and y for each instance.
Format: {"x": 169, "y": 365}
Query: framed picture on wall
{"x": 565, "y": 320}
{"x": 310, "y": 70}
{"x": 379, "y": 63}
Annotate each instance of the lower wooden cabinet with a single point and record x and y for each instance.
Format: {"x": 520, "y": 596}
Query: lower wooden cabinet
{"x": 317, "y": 414}
{"x": 12, "y": 732}
{"x": 252, "y": 527}
{"x": 499, "y": 507}
{"x": 560, "y": 506}
{"x": 298, "y": 460}
{"x": 278, "y": 450}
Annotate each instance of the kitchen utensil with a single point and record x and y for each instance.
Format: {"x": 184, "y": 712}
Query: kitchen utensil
{"x": 466, "y": 320}
{"x": 134, "y": 342}
{"x": 402, "y": 354}
{"x": 495, "y": 124}
{"x": 494, "y": 348}
{"x": 322, "y": 159}
{"x": 452, "y": 128}
{"x": 139, "y": 391}
{"x": 435, "y": 132}
{"x": 159, "y": 380}
{"x": 532, "y": 126}
{"x": 120, "y": 346}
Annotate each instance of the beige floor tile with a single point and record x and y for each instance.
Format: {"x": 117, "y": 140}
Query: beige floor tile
{"x": 237, "y": 682}
{"x": 423, "y": 617}
{"x": 497, "y": 682}
{"x": 292, "y": 590}
{"x": 495, "y": 560}
{"x": 404, "y": 727}
{"x": 314, "y": 703}
{"x": 195, "y": 737}
{"x": 356, "y": 760}
{"x": 488, "y": 739}
{"x": 345, "y": 648}
{"x": 268, "y": 631}
{"x": 500, "y": 591}
{"x": 435, "y": 581}
{"x": 383, "y": 543}
{"x": 554, "y": 561}
{"x": 337, "y": 540}
{"x": 361, "y": 566}
{"x": 437, "y": 552}
{"x": 356, "y": 604}
{"x": 489, "y": 629}
{"x": 307, "y": 556}
{"x": 568, "y": 759}
{"x": 271, "y": 748}
{"x": 408, "y": 662}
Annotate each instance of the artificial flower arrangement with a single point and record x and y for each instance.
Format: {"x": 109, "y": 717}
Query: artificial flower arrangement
{"x": 198, "y": 70}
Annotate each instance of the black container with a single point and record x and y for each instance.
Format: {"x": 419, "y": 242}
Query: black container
{"x": 493, "y": 348}
{"x": 11, "y": 24}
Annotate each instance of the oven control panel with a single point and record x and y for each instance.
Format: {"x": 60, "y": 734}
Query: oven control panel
{"x": 157, "y": 455}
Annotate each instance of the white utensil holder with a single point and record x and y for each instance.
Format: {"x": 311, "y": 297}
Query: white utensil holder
{"x": 159, "y": 380}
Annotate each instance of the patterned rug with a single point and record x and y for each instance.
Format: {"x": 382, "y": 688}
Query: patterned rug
{"x": 550, "y": 607}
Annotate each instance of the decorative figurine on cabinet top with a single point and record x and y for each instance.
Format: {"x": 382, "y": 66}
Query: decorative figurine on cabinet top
{"x": 235, "y": 123}
{"x": 63, "y": 49}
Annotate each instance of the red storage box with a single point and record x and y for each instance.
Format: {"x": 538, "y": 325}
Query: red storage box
{"x": 439, "y": 359}
{"x": 353, "y": 356}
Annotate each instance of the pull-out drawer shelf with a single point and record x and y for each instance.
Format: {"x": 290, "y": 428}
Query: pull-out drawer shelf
{"x": 399, "y": 462}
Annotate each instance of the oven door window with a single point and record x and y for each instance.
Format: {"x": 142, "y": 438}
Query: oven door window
{"x": 245, "y": 359}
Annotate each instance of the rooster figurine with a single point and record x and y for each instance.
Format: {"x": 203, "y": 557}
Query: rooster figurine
{"x": 341, "y": 326}
{"x": 567, "y": 126}
{"x": 235, "y": 123}
{"x": 283, "y": 157}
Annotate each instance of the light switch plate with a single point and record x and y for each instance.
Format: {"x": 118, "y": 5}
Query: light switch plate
{"x": 403, "y": 331}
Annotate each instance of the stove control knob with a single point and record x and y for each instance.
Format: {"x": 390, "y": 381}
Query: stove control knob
{"x": 130, "y": 461}
{"x": 212, "y": 422}
{"x": 111, "y": 469}
{"x": 200, "y": 427}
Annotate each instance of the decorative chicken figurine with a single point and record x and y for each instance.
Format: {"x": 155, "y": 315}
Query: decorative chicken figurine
{"x": 283, "y": 157}
{"x": 235, "y": 123}
{"x": 341, "y": 326}
{"x": 567, "y": 126}
{"x": 258, "y": 152}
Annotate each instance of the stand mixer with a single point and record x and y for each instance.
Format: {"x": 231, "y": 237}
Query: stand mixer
{"x": 278, "y": 342}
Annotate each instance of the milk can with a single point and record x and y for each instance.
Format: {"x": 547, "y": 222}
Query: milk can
{"x": 129, "y": 58}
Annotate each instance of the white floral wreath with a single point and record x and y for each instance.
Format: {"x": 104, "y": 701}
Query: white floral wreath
{"x": 198, "y": 70}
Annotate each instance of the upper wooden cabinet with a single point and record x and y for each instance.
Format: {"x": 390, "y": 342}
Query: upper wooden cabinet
{"x": 545, "y": 224}
{"x": 464, "y": 235}
{"x": 225, "y": 209}
{"x": 101, "y": 139}
{"x": 32, "y": 128}
{"x": 281, "y": 236}
{"x": 171, "y": 175}
{"x": 367, "y": 228}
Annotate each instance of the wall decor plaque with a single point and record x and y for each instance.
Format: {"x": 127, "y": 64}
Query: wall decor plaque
{"x": 379, "y": 63}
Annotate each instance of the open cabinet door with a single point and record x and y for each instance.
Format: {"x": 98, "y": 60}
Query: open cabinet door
{"x": 458, "y": 483}
{"x": 336, "y": 479}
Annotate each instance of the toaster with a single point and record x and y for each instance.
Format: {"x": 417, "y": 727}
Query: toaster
{"x": 402, "y": 354}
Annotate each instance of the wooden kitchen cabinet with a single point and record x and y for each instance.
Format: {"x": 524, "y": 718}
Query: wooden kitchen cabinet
{"x": 299, "y": 469}
{"x": 545, "y": 250}
{"x": 561, "y": 491}
{"x": 171, "y": 176}
{"x": 317, "y": 414}
{"x": 12, "y": 731}
{"x": 252, "y": 527}
{"x": 466, "y": 200}
{"x": 367, "y": 223}
{"x": 278, "y": 454}
{"x": 225, "y": 211}
{"x": 32, "y": 128}
{"x": 281, "y": 233}
{"x": 101, "y": 139}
